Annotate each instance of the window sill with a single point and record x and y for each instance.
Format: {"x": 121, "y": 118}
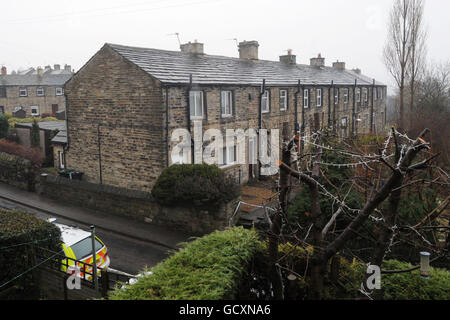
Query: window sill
{"x": 229, "y": 166}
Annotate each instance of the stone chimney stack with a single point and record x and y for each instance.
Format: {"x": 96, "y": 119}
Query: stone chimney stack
{"x": 57, "y": 67}
{"x": 40, "y": 71}
{"x": 289, "y": 58}
{"x": 357, "y": 71}
{"x": 248, "y": 50}
{"x": 318, "y": 62}
{"x": 192, "y": 48}
{"x": 339, "y": 65}
{"x": 68, "y": 67}
{"x": 4, "y": 71}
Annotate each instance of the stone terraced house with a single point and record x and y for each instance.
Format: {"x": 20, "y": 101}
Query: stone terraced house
{"x": 125, "y": 103}
{"x": 36, "y": 91}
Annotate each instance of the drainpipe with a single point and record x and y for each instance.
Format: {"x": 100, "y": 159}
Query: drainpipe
{"x": 371, "y": 109}
{"x": 334, "y": 105}
{"x": 354, "y": 109}
{"x": 263, "y": 89}
{"x": 329, "y": 104}
{"x": 99, "y": 153}
{"x": 302, "y": 134}
{"x": 297, "y": 129}
{"x": 167, "y": 125}
{"x": 188, "y": 111}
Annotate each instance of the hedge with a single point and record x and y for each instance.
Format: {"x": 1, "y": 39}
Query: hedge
{"x": 400, "y": 286}
{"x": 198, "y": 185}
{"x": 21, "y": 234}
{"x": 209, "y": 268}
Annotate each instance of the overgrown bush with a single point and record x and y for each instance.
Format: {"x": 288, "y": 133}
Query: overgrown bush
{"x": 12, "y": 121}
{"x": 31, "y": 154}
{"x": 4, "y": 126}
{"x": 400, "y": 286}
{"x": 198, "y": 185}
{"x": 21, "y": 234}
{"x": 209, "y": 268}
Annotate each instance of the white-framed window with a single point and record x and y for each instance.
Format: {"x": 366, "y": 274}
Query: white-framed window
{"x": 40, "y": 92}
{"x": 346, "y": 95}
{"x": 336, "y": 96}
{"x": 61, "y": 159}
{"x": 375, "y": 94}
{"x": 196, "y": 104}
{"x": 265, "y": 102}
{"x": 34, "y": 111}
{"x": 366, "y": 94}
{"x": 319, "y": 97}
{"x": 306, "y": 98}
{"x": 59, "y": 91}
{"x": 226, "y": 103}
{"x": 23, "y": 92}
{"x": 228, "y": 156}
{"x": 381, "y": 93}
{"x": 283, "y": 100}
{"x": 358, "y": 94}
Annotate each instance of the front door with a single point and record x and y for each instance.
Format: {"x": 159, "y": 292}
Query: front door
{"x": 54, "y": 109}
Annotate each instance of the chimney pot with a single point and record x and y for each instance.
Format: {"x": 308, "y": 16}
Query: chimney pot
{"x": 339, "y": 65}
{"x": 289, "y": 58}
{"x": 248, "y": 50}
{"x": 318, "y": 62}
{"x": 192, "y": 48}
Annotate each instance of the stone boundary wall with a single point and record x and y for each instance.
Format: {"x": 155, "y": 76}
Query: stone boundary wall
{"x": 136, "y": 205}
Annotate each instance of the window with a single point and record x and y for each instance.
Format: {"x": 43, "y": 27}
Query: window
{"x": 61, "y": 159}
{"x": 319, "y": 97}
{"x": 358, "y": 95}
{"x": 2, "y": 109}
{"x": 381, "y": 93}
{"x": 2, "y": 92}
{"x": 265, "y": 102}
{"x": 306, "y": 98}
{"x": 23, "y": 92}
{"x": 283, "y": 100}
{"x": 336, "y": 96}
{"x": 346, "y": 95}
{"x": 227, "y": 103}
{"x": 83, "y": 248}
{"x": 40, "y": 92}
{"x": 34, "y": 110}
{"x": 196, "y": 104}
{"x": 366, "y": 94}
{"x": 375, "y": 94}
{"x": 229, "y": 156}
{"x": 59, "y": 91}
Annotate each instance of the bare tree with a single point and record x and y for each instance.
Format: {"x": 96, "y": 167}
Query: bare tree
{"x": 418, "y": 51}
{"x": 404, "y": 51}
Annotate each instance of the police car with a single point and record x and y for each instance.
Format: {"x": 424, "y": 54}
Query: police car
{"x": 77, "y": 246}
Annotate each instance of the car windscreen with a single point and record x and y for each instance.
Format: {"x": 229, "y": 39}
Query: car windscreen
{"x": 83, "y": 248}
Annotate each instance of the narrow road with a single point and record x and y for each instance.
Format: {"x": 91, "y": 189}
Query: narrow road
{"x": 127, "y": 254}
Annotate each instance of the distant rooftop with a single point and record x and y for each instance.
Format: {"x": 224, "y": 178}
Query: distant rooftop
{"x": 44, "y": 76}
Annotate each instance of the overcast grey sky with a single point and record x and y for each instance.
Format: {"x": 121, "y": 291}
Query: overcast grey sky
{"x": 47, "y": 32}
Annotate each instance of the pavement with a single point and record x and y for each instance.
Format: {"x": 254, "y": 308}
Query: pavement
{"x": 126, "y": 227}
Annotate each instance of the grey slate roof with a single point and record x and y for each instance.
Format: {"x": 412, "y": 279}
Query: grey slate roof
{"x": 60, "y": 138}
{"x": 48, "y": 79}
{"x": 174, "y": 67}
